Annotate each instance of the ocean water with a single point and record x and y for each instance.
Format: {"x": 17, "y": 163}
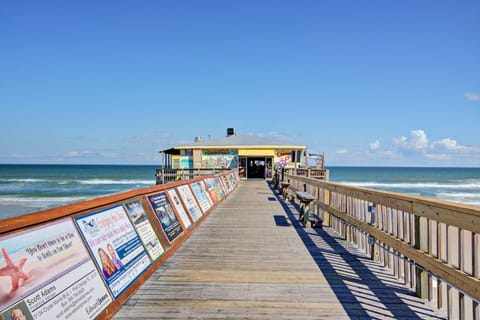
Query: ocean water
{"x": 30, "y": 188}
{"x": 452, "y": 184}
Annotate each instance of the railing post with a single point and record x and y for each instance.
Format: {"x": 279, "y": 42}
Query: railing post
{"x": 421, "y": 289}
{"x": 328, "y": 201}
{"x": 374, "y": 253}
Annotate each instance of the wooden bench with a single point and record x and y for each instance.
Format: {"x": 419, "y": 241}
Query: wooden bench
{"x": 305, "y": 216}
{"x": 315, "y": 221}
{"x": 287, "y": 191}
{"x": 292, "y": 191}
{"x": 284, "y": 189}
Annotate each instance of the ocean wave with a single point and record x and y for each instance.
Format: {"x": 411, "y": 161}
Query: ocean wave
{"x": 81, "y": 181}
{"x": 459, "y": 195}
{"x": 471, "y": 185}
{"x": 22, "y": 180}
{"x": 39, "y": 201}
{"x": 469, "y": 199}
{"x": 121, "y": 181}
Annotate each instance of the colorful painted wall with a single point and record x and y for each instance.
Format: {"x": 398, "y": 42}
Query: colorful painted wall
{"x": 219, "y": 158}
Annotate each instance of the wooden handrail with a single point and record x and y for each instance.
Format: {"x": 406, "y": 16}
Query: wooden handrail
{"x": 467, "y": 283}
{"x": 466, "y": 217}
{"x": 438, "y": 239}
{"x": 14, "y": 227}
{"x": 32, "y": 219}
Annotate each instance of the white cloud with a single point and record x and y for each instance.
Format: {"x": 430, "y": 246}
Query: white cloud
{"x": 417, "y": 141}
{"x": 22, "y": 155}
{"x": 389, "y": 154}
{"x": 375, "y": 145}
{"x": 418, "y": 147}
{"x": 89, "y": 154}
{"x": 448, "y": 145}
{"x": 439, "y": 156}
{"x": 413, "y": 149}
{"x": 151, "y": 138}
{"x": 472, "y": 96}
{"x": 75, "y": 154}
{"x": 275, "y": 136}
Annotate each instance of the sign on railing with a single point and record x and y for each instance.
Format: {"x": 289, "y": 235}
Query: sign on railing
{"x": 82, "y": 261}
{"x": 46, "y": 272}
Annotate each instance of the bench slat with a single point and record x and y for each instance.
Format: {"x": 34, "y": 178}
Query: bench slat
{"x": 304, "y": 196}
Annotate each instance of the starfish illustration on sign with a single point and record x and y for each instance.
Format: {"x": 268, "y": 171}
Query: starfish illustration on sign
{"x": 13, "y": 271}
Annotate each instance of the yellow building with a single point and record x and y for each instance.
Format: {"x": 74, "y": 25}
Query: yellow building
{"x": 254, "y": 156}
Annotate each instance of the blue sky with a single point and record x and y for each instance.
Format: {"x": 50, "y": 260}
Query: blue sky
{"x": 367, "y": 82}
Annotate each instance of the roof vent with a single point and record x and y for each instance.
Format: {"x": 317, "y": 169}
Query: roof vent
{"x": 230, "y": 132}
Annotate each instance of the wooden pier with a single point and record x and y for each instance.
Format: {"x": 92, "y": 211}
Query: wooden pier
{"x": 251, "y": 259}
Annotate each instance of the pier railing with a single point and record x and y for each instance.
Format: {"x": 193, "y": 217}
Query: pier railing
{"x": 432, "y": 245}
{"x": 321, "y": 174}
{"x": 171, "y": 175}
{"x": 84, "y": 260}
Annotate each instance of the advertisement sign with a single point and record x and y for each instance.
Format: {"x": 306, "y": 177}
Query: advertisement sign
{"x": 201, "y": 195}
{"x": 282, "y": 157}
{"x": 222, "y": 186}
{"x": 165, "y": 214}
{"x": 203, "y": 186}
{"x": 235, "y": 177}
{"x": 215, "y": 189}
{"x": 190, "y": 203}
{"x": 231, "y": 179}
{"x": 219, "y": 188}
{"x": 179, "y": 208}
{"x": 144, "y": 229}
{"x": 46, "y": 273}
{"x": 115, "y": 245}
{"x": 211, "y": 190}
{"x": 227, "y": 184}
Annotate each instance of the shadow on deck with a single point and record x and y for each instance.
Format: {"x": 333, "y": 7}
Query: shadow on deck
{"x": 251, "y": 259}
{"x": 365, "y": 288}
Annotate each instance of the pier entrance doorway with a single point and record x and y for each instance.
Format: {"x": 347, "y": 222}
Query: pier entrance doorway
{"x": 258, "y": 167}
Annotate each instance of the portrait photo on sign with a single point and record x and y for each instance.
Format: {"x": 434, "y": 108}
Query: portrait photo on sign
{"x": 116, "y": 247}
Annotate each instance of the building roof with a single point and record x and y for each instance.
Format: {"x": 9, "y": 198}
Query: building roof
{"x": 239, "y": 141}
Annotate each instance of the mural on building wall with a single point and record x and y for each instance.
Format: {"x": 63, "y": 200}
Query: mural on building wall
{"x": 282, "y": 157}
{"x": 186, "y": 160}
{"x": 220, "y": 158}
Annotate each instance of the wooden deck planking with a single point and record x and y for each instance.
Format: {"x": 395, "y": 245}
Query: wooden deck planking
{"x": 251, "y": 260}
